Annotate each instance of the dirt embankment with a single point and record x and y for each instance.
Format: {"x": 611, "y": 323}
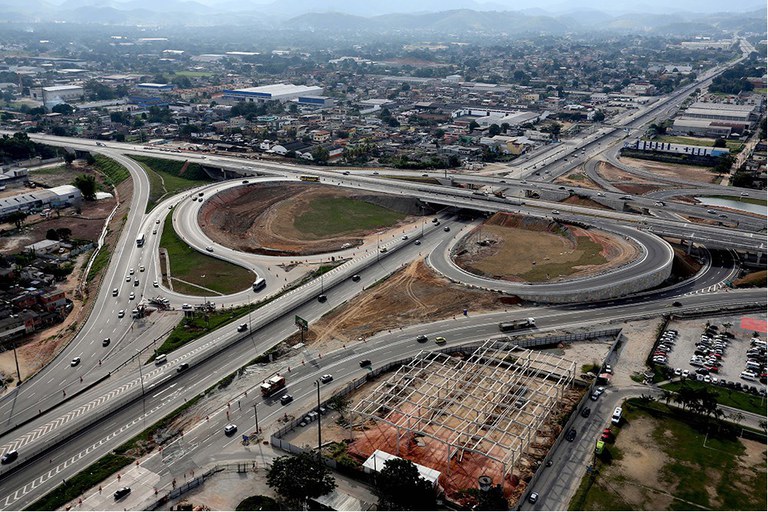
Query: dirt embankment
{"x": 260, "y": 218}
{"x": 412, "y": 295}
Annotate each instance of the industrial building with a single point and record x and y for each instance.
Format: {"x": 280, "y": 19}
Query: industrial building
{"x": 716, "y": 119}
{"x": 155, "y": 87}
{"x": 57, "y": 94}
{"x": 699, "y": 128}
{"x": 275, "y": 92}
{"x": 56, "y": 197}
{"x": 680, "y": 149}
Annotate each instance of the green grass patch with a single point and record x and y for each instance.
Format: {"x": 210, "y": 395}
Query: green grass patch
{"x": 99, "y": 263}
{"x": 702, "y": 468}
{"x": 577, "y": 177}
{"x": 590, "y": 256}
{"x": 730, "y": 397}
{"x": 750, "y": 200}
{"x": 199, "y": 325}
{"x": 199, "y": 269}
{"x": 84, "y": 480}
{"x": 169, "y": 177}
{"x": 193, "y": 74}
{"x": 334, "y": 216}
{"x": 50, "y": 171}
{"x": 114, "y": 172}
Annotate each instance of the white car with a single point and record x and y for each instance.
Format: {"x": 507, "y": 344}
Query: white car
{"x": 678, "y": 371}
{"x": 141, "y": 268}
{"x": 155, "y": 284}
{"x": 121, "y": 313}
{"x": 685, "y": 374}
{"x": 209, "y": 249}
{"x": 131, "y": 271}
{"x": 131, "y": 296}
{"x": 127, "y": 279}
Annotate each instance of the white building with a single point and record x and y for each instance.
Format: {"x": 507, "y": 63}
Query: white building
{"x": 56, "y": 197}
{"x": 275, "y": 92}
{"x": 57, "y": 94}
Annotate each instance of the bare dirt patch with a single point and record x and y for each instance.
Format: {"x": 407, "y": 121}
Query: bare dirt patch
{"x": 582, "y": 201}
{"x": 627, "y": 182}
{"x": 638, "y": 473}
{"x": 260, "y": 218}
{"x": 410, "y": 296}
{"x": 673, "y": 171}
{"x": 577, "y": 179}
{"x": 502, "y": 248}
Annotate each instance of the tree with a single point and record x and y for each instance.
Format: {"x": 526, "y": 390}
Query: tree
{"x": 87, "y": 186}
{"x": 17, "y": 218}
{"x": 494, "y": 130}
{"x": 473, "y": 126}
{"x": 400, "y": 487}
{"x": 63, "y": 109}
{"x": 599, "y": 116}
{"x": 320, "y": 154}
{"x": 719, "y": 143}
{"x": 63, "y": 233}
{"x": 51, "y": 234}
{"x": 300, "y": 477}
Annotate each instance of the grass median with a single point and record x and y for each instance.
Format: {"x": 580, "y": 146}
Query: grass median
{"x": 332, "y": 216}
{"x": 206, "y": 275}
{"x": 81, "y": 482}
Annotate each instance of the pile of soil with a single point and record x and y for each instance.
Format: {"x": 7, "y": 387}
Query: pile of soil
{"x": 258, "y": 218}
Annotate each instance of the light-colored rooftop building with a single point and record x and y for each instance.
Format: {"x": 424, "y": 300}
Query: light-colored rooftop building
{"x": 276, "y": 92}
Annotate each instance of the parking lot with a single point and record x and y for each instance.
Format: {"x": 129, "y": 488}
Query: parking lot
{"x": 723, "y": 349}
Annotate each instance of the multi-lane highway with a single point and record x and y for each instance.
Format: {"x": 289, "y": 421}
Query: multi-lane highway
{"x": 59, "y": 422}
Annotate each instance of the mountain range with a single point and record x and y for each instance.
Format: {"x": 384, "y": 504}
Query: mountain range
{"x": 443, "y": 16}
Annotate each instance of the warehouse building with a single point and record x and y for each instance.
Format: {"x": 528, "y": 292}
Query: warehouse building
{"x": 275, "y": 92}
{"x": 699, "y": 128}
{"x": 57, "y": 94}
{"x": 56, "y": 197}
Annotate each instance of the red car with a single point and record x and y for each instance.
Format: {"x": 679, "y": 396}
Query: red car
{"x": 713, "y": 369}
{"x": 607, "y": 434}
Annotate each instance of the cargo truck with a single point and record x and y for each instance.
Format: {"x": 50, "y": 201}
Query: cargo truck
{"x": 517, "y": 324}
{"x": 272, "y": 384}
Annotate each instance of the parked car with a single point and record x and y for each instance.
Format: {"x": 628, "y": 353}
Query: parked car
{"x": 585, "y": 412}
{"x": 571, "y": 435}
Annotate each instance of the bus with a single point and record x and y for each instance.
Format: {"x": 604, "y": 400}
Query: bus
{"x": 140, "y": 240}
{"x": 259, "y": 284}
{"x": 309, "y": 178}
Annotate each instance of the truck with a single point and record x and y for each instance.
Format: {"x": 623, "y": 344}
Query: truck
{"x": 517, "y": 324}
{"x": 272, "y": 384}
{"x": 140, "y": 240}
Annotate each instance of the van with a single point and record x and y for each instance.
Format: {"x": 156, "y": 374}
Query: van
{"x": 161, "y": 359}
{"x": 748, "y": 375}
{"x": 616, "y": 418}
{"x": 259, "y": 284}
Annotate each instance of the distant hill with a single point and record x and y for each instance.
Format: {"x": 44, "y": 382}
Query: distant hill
{"x": 430, "y": 16}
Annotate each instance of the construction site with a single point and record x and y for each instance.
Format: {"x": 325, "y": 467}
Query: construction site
{"x": 492, "y": 412}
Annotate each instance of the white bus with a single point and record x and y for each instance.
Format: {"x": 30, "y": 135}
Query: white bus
{"x": 259, "y": 284}
{"x": 140, "y": 240}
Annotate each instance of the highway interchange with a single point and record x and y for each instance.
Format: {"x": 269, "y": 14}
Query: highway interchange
{"x": 60, "y": 423}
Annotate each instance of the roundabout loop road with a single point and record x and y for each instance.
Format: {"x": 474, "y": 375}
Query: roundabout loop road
{"x": 652, "y": 268}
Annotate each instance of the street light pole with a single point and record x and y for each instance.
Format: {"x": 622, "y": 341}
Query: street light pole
{"x": 256, "y": 416}
{"x": 141, "y": 380}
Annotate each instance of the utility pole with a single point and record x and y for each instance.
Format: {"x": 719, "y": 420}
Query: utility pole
{"x": 18, "y": 372}
{"x": 256, "y": 416}
{"x": 319, "y": 438}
